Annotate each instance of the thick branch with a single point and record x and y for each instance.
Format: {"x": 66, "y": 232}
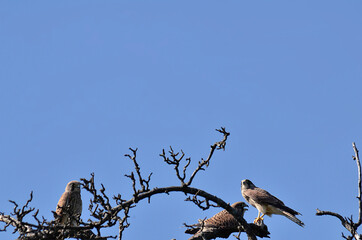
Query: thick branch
{"x": 342, "y": 219}
{"x": 347, "y": 223}
{"x": 107, "y": 216}
{"x": 190, "y": 190}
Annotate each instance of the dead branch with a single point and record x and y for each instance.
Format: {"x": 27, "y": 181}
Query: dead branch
{"x": 143, "y": 182}
{"x": 356, "y": 158}
{"x": 189, "y": 190}
{"x": 176, "y": 159}
{"x": 347, "y": 222}
{"x": 217, "y": 145}
{"x": 105, "y": 213}
{"x": 176, "y": 162}
{"x": 199, "y": 202}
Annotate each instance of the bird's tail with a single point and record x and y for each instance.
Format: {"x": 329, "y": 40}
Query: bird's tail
{"x": 293, "y": 218}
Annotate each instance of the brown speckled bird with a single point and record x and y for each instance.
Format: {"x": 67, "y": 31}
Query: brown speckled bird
{"x": 220, "y": 225}
{"x": 69, "y": 207}
{"x": 266, "y": 203}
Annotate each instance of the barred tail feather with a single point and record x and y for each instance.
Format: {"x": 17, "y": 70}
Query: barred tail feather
{"x": 293, "y": 218}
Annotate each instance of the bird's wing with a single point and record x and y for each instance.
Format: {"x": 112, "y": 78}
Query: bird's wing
{"x": 222, "y": 220}
{"x": 62, "y": 203}
{"x": 75, "y": 203}
{"x": 265, "y": 197}
{"x": 261, "y": 196}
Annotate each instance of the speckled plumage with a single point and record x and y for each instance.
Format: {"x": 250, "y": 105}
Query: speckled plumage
{"x": 69, "y": 207}
{"x": 220, "y": 225}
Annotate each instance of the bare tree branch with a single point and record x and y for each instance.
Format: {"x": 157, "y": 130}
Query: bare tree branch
{"x": 105, "y": 212}
{"x": 217, "y": 145}
{"x": 194, "y": 191}
{"x": 348, "y": 223}
{"x": 143, "y": 182}
{"x": 176, "y": 162}
{"x": 356, "y": 158}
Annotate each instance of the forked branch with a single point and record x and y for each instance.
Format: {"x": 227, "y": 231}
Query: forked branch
{"x": 347, "y": 222}
{"x": 105, "y": 213}
{"x": 176, "y": 159}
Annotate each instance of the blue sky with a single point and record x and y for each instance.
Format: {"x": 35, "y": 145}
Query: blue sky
{"x": 82, "y": 81}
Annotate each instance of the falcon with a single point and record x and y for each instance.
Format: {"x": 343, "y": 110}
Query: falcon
{"x": 266, "y": 203}
{"x": 69, "y": 207}
{"x": 220, "y": 225}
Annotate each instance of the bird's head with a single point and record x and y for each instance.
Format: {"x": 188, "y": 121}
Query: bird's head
{"x": 73, "y": 186}
{"x": 240, "y": 206}
{"x": 247, "y": 184}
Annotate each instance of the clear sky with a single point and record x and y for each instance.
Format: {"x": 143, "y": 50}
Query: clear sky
{"x": 82, "y": 81}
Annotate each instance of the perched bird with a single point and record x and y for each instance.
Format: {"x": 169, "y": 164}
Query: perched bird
{"x": 69, "y": 207}
{"x": 220, "y": 225}
{"x": 266, "y": 203}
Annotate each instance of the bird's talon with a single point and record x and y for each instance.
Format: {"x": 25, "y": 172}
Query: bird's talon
{"x": 258, "y": 219}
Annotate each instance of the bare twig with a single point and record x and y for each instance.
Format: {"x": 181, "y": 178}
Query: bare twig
{"x": 199, "y": 202}
{"x": 198, "y": 227}
{"x": 356, "y": 158}
{"x": 143, "y": 182}
{"x": 176, "y": 159}
{"x": 123, "y": 223}
{"x": 104, "y": 215}
{"x": 176, "y": 162}
{"x": 217, "y": 145}
{"x": 238, "y": 236}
